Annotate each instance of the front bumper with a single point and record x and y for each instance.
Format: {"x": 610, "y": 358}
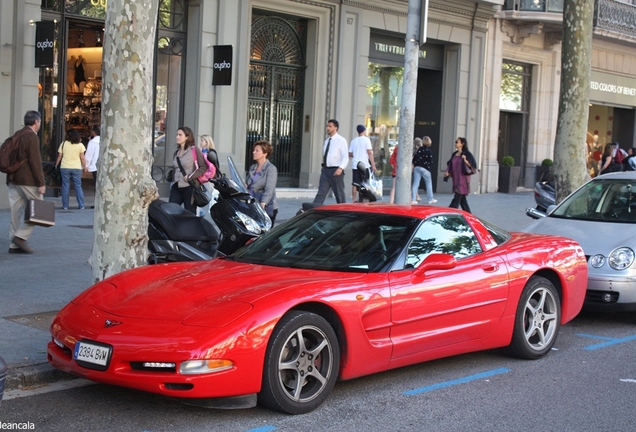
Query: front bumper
{"x": 610, "y": 294}
{"x": 136, "y": 341}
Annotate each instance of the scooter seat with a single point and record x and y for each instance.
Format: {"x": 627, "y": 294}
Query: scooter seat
{"x": 180, "y": 224}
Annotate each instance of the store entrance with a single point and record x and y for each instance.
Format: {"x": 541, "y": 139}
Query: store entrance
{"x": 83, "y": 78}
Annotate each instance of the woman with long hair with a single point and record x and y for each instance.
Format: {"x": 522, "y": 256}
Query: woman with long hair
{"x": 186, "y": 170}
{"x": 457, "y": 168}
{"x": 71, "y": 155}
{"x": 262, "y": 178}
{"x": 607, "y": 161}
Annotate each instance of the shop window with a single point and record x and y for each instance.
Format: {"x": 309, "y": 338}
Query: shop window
{"x": 384, "y": 89}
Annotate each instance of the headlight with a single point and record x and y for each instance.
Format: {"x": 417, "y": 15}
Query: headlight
{"x": 249, "y": 223}
{"x": 621, "y": 258}
{"x": 193, "y": 367}
{"x": 597, "y": 261}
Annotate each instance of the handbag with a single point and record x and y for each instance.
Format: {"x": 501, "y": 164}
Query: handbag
{"x": 467, "y": 169}
{"x": 375, "y": 184}
{"x": 200, "y": 195}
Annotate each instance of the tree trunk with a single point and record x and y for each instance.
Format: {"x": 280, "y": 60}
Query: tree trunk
{"x": 125, "y": 187}
{"x": 570, "y": 149}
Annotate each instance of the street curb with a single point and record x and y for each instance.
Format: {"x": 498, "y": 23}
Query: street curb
{"x": 27, "y": 375}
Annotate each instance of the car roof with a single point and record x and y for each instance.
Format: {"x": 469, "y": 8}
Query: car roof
{"x": 627, "y": 175}
{"x": 419, "y": 211}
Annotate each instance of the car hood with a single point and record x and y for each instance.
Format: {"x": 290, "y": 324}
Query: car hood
{"x": 176, "y": 291}
{"x": 594, "y": 237}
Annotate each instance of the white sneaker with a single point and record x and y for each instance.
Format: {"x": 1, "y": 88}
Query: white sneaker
{"x": 433, "y": 201}
{"x": 413, "y": 202}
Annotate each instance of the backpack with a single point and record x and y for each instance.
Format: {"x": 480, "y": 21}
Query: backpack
{"x": 9, "y": 162}
{"x": 209, "y": 173}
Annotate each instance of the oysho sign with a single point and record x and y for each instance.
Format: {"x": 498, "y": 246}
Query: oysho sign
{"x": 44, "y": 43}
{"x": 222, "y": 65}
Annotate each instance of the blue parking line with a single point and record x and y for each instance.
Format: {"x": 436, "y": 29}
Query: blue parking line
{"x": 262, "y": 429}
{"x": 457, "y": 381}
{"x": 610, "y": 341}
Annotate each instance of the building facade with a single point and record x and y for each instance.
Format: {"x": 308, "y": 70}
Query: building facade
{"x": 488, "y": 72}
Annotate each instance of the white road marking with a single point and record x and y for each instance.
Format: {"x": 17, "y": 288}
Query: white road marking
{"x": 47, "y": 388}
{"x": 628, "y": 380}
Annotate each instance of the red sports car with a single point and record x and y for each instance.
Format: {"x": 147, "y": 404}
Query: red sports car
{"x": 336, "y": 293}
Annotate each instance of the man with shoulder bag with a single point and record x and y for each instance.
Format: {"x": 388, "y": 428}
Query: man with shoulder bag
{"x": 26, "y": 183}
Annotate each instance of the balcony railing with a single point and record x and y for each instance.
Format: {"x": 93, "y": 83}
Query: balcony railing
{"x": 615, "y": 16}
{"x": 534, "y": 5}
{"x": 609, "y": 15}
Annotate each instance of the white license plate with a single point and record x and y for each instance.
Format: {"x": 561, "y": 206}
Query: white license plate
{"x": 95, "y": 354}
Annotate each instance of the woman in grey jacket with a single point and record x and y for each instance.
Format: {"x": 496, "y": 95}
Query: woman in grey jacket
{"x": 262, "y": 178}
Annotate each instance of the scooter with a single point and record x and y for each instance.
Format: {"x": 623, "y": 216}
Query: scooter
{"x": 176, "y": 234}
{"x": 544, "y": 197}
{"x": 237, "y": 214}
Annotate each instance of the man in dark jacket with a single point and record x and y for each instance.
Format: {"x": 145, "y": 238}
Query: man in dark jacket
{"x": 26, "y": 183}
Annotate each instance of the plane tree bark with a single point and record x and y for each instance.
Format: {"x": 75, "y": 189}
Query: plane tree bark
{"x": 570, "y": 152}
{"x": 125, "y": 187}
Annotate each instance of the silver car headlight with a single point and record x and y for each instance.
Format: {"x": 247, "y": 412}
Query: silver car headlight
{"x": 249, "y": 223}
{"x": 597, "y": 261}
{"x": 621, "y": 258}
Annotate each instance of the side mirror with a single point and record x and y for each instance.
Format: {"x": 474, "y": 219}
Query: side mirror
{"x": 435, "y": 261}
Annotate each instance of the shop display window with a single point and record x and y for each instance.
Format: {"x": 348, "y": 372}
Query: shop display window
{"x": 384, "y": 90}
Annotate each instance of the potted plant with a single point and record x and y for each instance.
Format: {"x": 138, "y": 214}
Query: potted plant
{"x": 543, "y": 171}
{"x": 508, "y": 175}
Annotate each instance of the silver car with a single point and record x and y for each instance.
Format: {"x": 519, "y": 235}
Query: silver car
{"x": 601, "y": 217}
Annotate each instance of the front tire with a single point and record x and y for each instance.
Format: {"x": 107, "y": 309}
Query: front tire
{"x": 537, "y": 321}
{"x": 301, "y": 365}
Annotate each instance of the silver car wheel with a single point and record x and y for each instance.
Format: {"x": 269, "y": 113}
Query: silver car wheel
{"x": 304, "y": 364}
{"x": 540, "y": 318}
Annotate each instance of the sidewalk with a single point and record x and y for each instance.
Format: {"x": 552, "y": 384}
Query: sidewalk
{"x": 34, "y": 287}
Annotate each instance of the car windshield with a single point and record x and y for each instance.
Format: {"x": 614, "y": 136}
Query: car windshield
{"x": 332, "y": 240}
{"x": 601, "y": 200}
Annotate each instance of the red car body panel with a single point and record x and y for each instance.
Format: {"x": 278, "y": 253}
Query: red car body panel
{"x": 223, "y": 309}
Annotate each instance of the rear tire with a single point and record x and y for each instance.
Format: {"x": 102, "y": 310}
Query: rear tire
{"x": 537, "y": 321}
{"x": 301, "y": 365}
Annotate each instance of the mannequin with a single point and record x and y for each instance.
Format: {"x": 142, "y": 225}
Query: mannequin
{"x": 80, "y": 76}
{"x": 70, "y": 74}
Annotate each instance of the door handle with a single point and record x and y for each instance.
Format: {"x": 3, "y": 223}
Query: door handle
{"x": 490, "y": 267}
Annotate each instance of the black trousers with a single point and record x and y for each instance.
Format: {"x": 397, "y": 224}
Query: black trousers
{"x": 460, "y": 200}
{"x": 182, "y": 196}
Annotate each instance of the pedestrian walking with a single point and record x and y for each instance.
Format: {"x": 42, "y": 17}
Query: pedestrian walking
{"x": 26, "y": 183}
{"x": 361, "y": 152}
{"x": 334, "y": 162}
{"x": 422, "y": 163}
{"x": 71, "y": 160}
{"x": 262, "y": 178}
{"x": 185, "y": 171}
{"x": 92, "y": 153}
{"x": 393, "y": 162}
{"x": 459, "y": 168}
{"x": 206, "y": 143}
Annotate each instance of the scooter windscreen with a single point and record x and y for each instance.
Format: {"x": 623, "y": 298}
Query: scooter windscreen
{"x": 236, "y": 180}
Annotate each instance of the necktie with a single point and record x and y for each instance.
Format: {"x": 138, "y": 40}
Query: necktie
{"x": 324, "y": 157}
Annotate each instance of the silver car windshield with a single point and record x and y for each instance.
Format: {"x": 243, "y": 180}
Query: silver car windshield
{"x": 601, "y": 200}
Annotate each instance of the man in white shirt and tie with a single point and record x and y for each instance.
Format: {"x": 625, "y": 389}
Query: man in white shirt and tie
{"x": 334, "y": 161}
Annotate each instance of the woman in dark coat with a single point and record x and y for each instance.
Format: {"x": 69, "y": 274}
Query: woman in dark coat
{"x": 459, "y": 168}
